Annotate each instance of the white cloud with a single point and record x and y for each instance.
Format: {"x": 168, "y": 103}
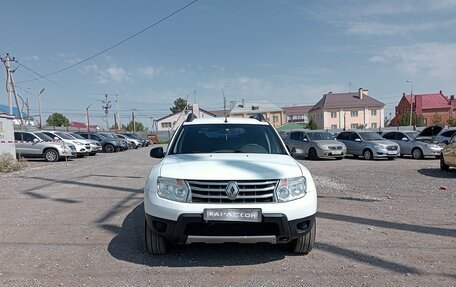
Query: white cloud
{"x": 148, "y": 72}
{"x": 437, "y": 60}
{"x": 32, "y": 58}
{"x": 107, "y": 75}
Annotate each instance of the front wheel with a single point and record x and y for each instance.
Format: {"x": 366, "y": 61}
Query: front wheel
{"x": 417, "y": 153}
{"x": 313, "y": 155}
{"x": 304, "y": 244}
{"x": 51, "y": 155}
{"x": 367, "y": 154}
{"x": 155, "y": 244}
{"x": 109, "y": 148}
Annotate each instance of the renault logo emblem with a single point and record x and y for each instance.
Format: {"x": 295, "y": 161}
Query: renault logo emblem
{"x": 232, "y": 190}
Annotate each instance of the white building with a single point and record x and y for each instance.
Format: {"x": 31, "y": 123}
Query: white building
{"x": 172, "y": 121}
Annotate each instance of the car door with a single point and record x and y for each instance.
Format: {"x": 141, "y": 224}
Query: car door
{"x": 305, "y": 143}
{"x": 345, "y": 138}
{"x": 18, "y": 142}
{"x": 31, "y": 144}
{"x": 357, "y": 143}
{"x": 293, "y": 141}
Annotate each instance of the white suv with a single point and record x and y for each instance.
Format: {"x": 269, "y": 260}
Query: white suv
{"x": 228, "y": 180}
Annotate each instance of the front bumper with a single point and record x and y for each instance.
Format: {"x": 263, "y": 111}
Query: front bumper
{"x": 431, "y": 151}
{"x": 191, "y": 228}
{"x": 331, "y": 153}
{"x": 384, "y": 153}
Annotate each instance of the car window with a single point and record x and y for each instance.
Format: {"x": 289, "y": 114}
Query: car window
{"x": 43, "y": 137}
{"x": 453, "y": 139}
{"x": 343, "y": 136}
{"x": 390, "y": 136}
{"x": 370, "y": 136}
{"x": 76, "y": 136}
{"x": 49, "y": 135}
{"x": 28, "y": 137}
{"x": 295, "y": 135}
{"x": 17, "y": 136}
{"x": 412, "y": 135}
{"x": 227, "y": 138}
{"x": 449, "y": 133}
{"x": 64, "y": 136}
{"x": 320, "y": 136}
{"x": 354, "y": 136}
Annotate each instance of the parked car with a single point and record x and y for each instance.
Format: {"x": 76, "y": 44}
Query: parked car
{"x": 314, "y": 145}
{"x": 445, "y": 135}
{"x": 135, "y": 136}
{"x": 368, "y": 144}
{"x": 95, "y": 146}
{"x": 37, "y": 144}
{"x": 108, "y": 145}
{"x": 448, "y": 157}
{"x": 124, "y": 144}
{"x": 228, "y": 180}
{"x": 133, "y": 143}
{"x": 82, "y": 149}
{"x": 410, "y": 145}
{"x": 153, "y": 138}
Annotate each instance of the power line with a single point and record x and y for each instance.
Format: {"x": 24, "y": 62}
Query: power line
{"x": 119, "y": 43}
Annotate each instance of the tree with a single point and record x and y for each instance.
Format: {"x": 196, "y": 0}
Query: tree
{"x": 404, "y": 120}
{"x": 139, "y": 127}
{"x": 57, "y": 120}
{"x": 452, "y": 122}
{"x": 179, "y": 105}
{"x": 312, "y": 125}
{"x": 436, "y": 119}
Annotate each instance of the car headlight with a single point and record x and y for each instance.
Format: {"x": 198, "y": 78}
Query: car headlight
{"x": 379, "y": 146}
{"x": 78, "y": 143}
{"x": 432, "y": 145}
{"x": 172, "y": 189}
{"x": 323, "y": 146}
{"x": 291, "y": 189}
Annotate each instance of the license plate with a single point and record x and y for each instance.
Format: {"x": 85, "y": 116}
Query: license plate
{"x": 233, "y": 214}
{"x": 392, "y": 152}
{"x": 337, "y": 152}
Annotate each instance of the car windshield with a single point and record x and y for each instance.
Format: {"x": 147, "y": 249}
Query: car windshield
{"x": 320, "y": 136}
{"x": 43, "y": 137}
{"x": 64, "y": 136}
{"x": 412, "y": 134}
{"x": 76, "y": 136}
{"x": 109, "y": 136}
{"x": 227, "y": 138}
{"x": 370, "y": 136}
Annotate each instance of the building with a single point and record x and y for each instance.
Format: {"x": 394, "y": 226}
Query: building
{"x": 433, "y": 108}
{"x": 297, "y": 114}
{"x": 245, "y": 109}
{"x": 171, "y": 121}
{"x": 348, "y": 111}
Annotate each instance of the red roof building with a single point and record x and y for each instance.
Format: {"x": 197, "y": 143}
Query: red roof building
{"x": 297, "y": 114}
{"x": 433, "y": 108}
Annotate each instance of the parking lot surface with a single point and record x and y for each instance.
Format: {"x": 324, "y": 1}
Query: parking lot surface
{"x": 81, "y": 223}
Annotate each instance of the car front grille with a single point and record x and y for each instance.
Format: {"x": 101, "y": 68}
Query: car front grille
{"x": 391, "y": 147}
{"x": 335, "y": 147}
{"x": 250, "y": 191}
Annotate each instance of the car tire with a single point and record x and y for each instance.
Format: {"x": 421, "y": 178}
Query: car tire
{"x": 313, "y": 155}
{"x": 109, "y": 148}
{"x": 391, "y": 158}
{"x": 155, "y": 244}
{"x": 339, "y": 158}
{"x": 133, "y": 146}
{"x": 443, "y": 166}
{"x": 417, "y": 153}
{"x": 51, "y": 155}
{"x": 304, "y": 244}
{"x": 92, "y": 153}
{"x": 368, "y": 155}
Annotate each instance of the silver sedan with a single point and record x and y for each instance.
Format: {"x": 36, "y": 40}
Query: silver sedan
{"x": 411, "y": 146}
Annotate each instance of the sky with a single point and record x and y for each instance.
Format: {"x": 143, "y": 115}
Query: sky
{"x": 288, "y": 52}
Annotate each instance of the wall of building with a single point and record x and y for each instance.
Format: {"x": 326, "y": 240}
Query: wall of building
{"x": 344, "y": 119}
{"x": 7, "y": 135}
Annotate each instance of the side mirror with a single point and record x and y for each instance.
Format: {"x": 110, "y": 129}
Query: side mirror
{"x": 56, "y": 138}
{"x": 357, "y": 140}
{"x": 35, "y": 140}
{"x": 405, "y": 139}
{"x": 304, "y": 139}
{"x": 157, "y": 152}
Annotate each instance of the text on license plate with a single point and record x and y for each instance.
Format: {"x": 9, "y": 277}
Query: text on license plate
{"x": 233, "y": 214}
{"x": 392, "y": 152}
{"x": 337, "y": 152}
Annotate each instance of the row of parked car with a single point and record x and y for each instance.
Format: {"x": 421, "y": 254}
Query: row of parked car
{"x": 370, "y": 145}
{"x": 56, "y": 145}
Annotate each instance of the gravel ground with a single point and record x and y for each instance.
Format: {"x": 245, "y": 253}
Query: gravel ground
{"x": 80, "y": 223}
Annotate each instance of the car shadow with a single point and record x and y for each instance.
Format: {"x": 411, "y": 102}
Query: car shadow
{"x": 437, "y": 173}
{"x": 129, "y": 245}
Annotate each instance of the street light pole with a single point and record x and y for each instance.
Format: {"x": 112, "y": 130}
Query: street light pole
{"x": 88, "y": 122}
{"x": 411, "y": 101}
{"x": 39, "y": 106}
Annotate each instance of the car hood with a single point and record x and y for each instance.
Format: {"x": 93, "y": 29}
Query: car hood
{"x": 229, "y": 166}
{"x": 429, "y": 132}
{"x": 328, "y": 142}
{"x": 385, "y": 142}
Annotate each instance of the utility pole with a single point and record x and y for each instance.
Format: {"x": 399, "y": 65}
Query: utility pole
{"x": 10, "y": 87}
{"x": 28, "y": 110}
{"x": 224, "y": 100}
{"x": 133, "y": 120}
{"x": 88, "y": 120}
{"x": 411, "y": 101}
{"x": 106, "y": 106}
{"x": 118, "y": 114}
{"x": 39, "y": 106}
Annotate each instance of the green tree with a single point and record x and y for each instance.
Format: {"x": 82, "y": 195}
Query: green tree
{"x": 404, "y": 120}
{"x": 179, "y": 105}
{"x": 452, "y": 122}
{"x": 139, "y": 127}
{"x": 312, "y": 125}
{"x": 57, "y": 120}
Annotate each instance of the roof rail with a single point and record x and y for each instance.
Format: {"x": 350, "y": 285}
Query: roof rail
{"x": 258, "y": 117}
{"x": 190, "y": 117}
